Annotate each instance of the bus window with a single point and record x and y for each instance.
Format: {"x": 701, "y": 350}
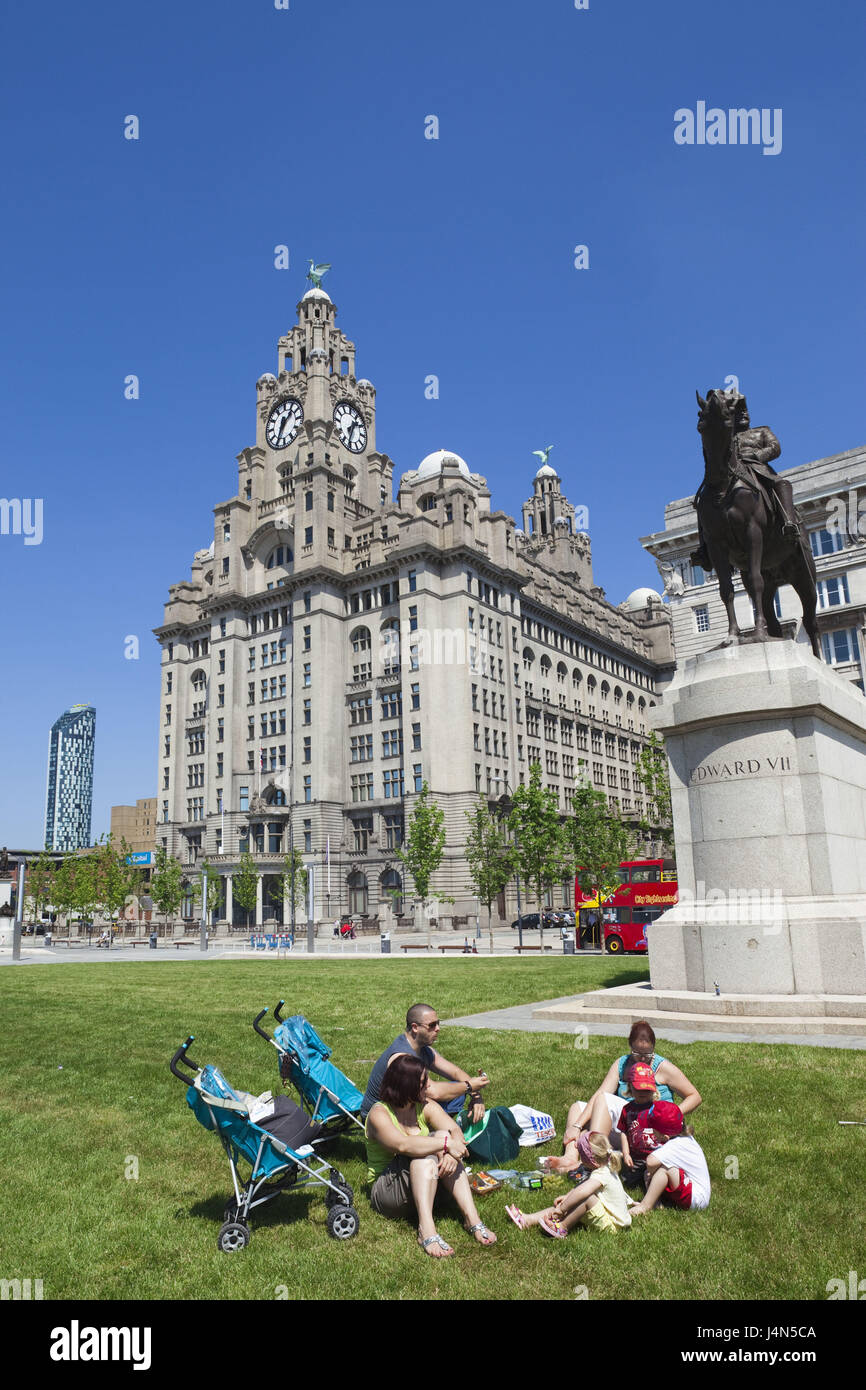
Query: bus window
{"x": 645, "y": 875}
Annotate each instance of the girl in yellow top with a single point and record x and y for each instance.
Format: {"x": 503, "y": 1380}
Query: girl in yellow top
{"x": 413, "y": 1146}
{"x": 599, "y": 1203}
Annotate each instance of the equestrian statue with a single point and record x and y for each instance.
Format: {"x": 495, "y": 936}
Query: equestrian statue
{"x": 747, "y": 520}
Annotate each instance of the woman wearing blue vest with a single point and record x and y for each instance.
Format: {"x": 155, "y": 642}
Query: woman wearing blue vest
{"x": 602, "y": 1110}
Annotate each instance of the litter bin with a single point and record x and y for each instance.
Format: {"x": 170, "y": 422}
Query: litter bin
{"x": 385, "y": 943}
{"x": 153, "y": 938}
{"x": 568, "y": 946}
{"x": 46, "y": 940}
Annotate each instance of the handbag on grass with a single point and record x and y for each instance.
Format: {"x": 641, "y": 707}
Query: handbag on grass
{"x": 495, "y": 1138}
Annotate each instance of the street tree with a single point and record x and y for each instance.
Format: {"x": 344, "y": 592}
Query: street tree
{"x": 489, "y": 856}
{"x": 291, "y": 884}
{"x": 41, "y": 874}
{"x": 166, "y": 884}
{"x": 598, "y": 841}
{"x": 245, "y": 884}
{"x": 540, "y": 854}
{"x": 424, "y": 846}
{"x": 114, "y": 878}
{"x": 652, "y": 771}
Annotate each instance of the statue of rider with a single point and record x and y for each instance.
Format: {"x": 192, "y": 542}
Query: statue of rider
{"x": 751, "y": 454}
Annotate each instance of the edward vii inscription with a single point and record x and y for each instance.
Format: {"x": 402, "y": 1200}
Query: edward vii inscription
{"x": 740, "y": 767}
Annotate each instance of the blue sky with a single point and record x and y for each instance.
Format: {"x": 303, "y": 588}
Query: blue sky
{"x": 454, "y": 256}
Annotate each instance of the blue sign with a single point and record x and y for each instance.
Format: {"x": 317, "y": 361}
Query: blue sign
{"x": 141, "y": 857}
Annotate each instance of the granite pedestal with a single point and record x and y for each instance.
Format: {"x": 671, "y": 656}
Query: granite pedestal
{"x": 767, "y": 747}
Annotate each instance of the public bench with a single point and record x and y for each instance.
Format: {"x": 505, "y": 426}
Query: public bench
{"x": 532, "y": 948}
{"x": 415, "y": 946}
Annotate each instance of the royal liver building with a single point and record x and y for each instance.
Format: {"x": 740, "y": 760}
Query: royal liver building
{"x": 348, "y": 636}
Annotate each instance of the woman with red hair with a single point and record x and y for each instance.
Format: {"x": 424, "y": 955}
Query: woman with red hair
{"x": 413, "y": 1149}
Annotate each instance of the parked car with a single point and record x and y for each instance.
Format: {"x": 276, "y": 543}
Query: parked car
{"x": 529, "y": 921}
{"x": 624, "y": 936}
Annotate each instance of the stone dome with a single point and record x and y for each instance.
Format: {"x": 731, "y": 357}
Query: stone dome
{"x": 545, "y": 471}
{"x": 639, "y": 599}
{"x": 266, "y": 378}
{"x": 316, "y": 292}
{"x": 432, "y": 465}
{"x": 364, "y": 384}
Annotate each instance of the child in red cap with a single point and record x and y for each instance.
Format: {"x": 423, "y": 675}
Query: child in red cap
{"x": 677, "y": 1170}
{"x": 638, "y": 1136}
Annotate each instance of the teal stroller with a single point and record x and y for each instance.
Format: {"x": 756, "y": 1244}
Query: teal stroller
{"x": 275, "y": 1138}
{"x": 328, "y": 1096}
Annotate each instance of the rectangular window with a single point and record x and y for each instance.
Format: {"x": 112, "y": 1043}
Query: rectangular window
{"x": 307, "y": 639}
{"x": 840, "y": 646}
{"x": 824, "y": 542}
{"x": 308, "y": 501}
{"x": 244, "y": 799}
{"x": 308, "y": 535}
{"x": 308, "y": 837}
{"x": 417, "y": 778}
{"x": 833, "y": 592}
{"x": 393, "y": 782}
{"x": 416, "y": 736}
{"x": 308, "y": 598}
{"x": 308, "y": 711}
{"x": 413, "y": 618}
{"x": 220, "y": 730}
{"x": 308, "y": 789}
{"x": 702, "y": 618}
{"x": 307, "y": 676}
{"x": 307, "y": 749}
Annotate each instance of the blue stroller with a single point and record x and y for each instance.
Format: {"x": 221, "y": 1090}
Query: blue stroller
{"x": 276, "y": 1164}
{"x": 328, "y": 1096}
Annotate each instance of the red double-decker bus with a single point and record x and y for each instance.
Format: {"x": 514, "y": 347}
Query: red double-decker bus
{"x": 647, "y": 888}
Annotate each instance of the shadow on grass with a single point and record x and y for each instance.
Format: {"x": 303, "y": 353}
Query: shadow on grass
{"x": 635, "y": 976}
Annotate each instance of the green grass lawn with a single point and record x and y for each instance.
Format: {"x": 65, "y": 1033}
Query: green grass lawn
{"x": 86, "y": 1086}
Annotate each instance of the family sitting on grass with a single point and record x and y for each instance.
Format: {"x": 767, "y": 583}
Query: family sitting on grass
{"x": 631, "y": 1131}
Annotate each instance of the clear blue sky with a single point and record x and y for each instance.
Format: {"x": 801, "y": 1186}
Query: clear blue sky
{"x": 454, "y": 257}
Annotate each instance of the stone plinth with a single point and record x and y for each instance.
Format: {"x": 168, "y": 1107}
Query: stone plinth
{"x": 767, "y": 747}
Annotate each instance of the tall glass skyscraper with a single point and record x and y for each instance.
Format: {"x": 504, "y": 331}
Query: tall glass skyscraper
{"x": 69, "y": 797}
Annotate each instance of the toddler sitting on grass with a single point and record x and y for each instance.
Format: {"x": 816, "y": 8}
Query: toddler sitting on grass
{"x": 599, "y": 1203}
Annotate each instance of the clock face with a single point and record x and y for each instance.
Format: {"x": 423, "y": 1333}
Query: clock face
{"x": 284, "y": 422}
{"x": 350, "y": 427}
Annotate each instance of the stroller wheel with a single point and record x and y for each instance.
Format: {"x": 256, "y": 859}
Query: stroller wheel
{"x": 348, "y": 1196}
{"x": 233, "y": 1236}
{"x": 343, "y": 1222}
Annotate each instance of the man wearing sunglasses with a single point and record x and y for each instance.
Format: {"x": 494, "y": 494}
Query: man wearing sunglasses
{"x": 419, "y": 1040}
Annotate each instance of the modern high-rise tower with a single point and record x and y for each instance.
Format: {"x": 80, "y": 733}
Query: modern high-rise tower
{"x": 69, "y": 796}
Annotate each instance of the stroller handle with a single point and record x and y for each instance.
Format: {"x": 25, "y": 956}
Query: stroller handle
{"x": 181, "y": 1057}
{"x": 277, "y": 1011}
{"x": 256, "y": 1021}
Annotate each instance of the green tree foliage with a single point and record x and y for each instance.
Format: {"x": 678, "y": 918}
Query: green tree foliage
{"x": 41, "y": 874}
{"x": 652, "y": 770}
{"x": 245, "y": 884}
{"x": 598, "y": 841}
{"x": 166, "y": 884}
{"x": 424, "y": 845}
{"x": 114, "y": 880}
{"x": 489, "y": 856}
{"x": 540, "y": 854}
{"x": 283, "y": 891}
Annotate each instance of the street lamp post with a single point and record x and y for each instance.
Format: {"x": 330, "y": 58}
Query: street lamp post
{"x": 19, "y": 911}
{"x": 507, "y": 806}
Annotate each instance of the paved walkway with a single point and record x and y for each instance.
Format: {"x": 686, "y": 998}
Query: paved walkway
{"x": 520, "y": 1017}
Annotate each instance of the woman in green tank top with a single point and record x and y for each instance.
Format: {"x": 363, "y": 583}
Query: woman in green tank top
{"x": 413, "y": 1149}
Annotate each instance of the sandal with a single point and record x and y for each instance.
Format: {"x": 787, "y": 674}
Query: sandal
{"x": 482, "y": 1233}
{"x": 516, "y": 1216}
{"x": 436, "y": 1239}
{"x": 552, "y": 1227}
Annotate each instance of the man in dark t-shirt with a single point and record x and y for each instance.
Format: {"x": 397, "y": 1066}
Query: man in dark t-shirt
{"x": 422, "y": 1030}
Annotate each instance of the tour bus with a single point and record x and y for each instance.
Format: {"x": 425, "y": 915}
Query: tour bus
{"x": 647, "y": 888}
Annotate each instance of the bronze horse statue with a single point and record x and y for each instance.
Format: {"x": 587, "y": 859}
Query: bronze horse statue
{"x": 747, "y": 520}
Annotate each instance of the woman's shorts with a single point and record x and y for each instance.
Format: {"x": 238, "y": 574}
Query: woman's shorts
{"x": 391, "y": 1193}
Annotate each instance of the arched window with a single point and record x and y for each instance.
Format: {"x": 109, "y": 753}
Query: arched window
{"x": 389, "y": 636}
{"x": 391, "y": 884}
{"x": 591, "y": 686}
{"x": 576, "y": 678}
{"x": 427, "y": 503}
{"x": 561, "y": 672}
{"x": 199, "y": 681}
{"x": 605, "y": 690}
{"x": 360, "y": 640}
{"x": 528, "y": 658}
{"x": 358, "y": 893}
{"x": 545, "y": 667}
{"x": 629, "y": 699}
{"x": 282, "y": 555}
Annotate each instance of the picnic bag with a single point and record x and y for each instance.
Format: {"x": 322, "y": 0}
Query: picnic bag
{"x": 495, "y": 1138}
